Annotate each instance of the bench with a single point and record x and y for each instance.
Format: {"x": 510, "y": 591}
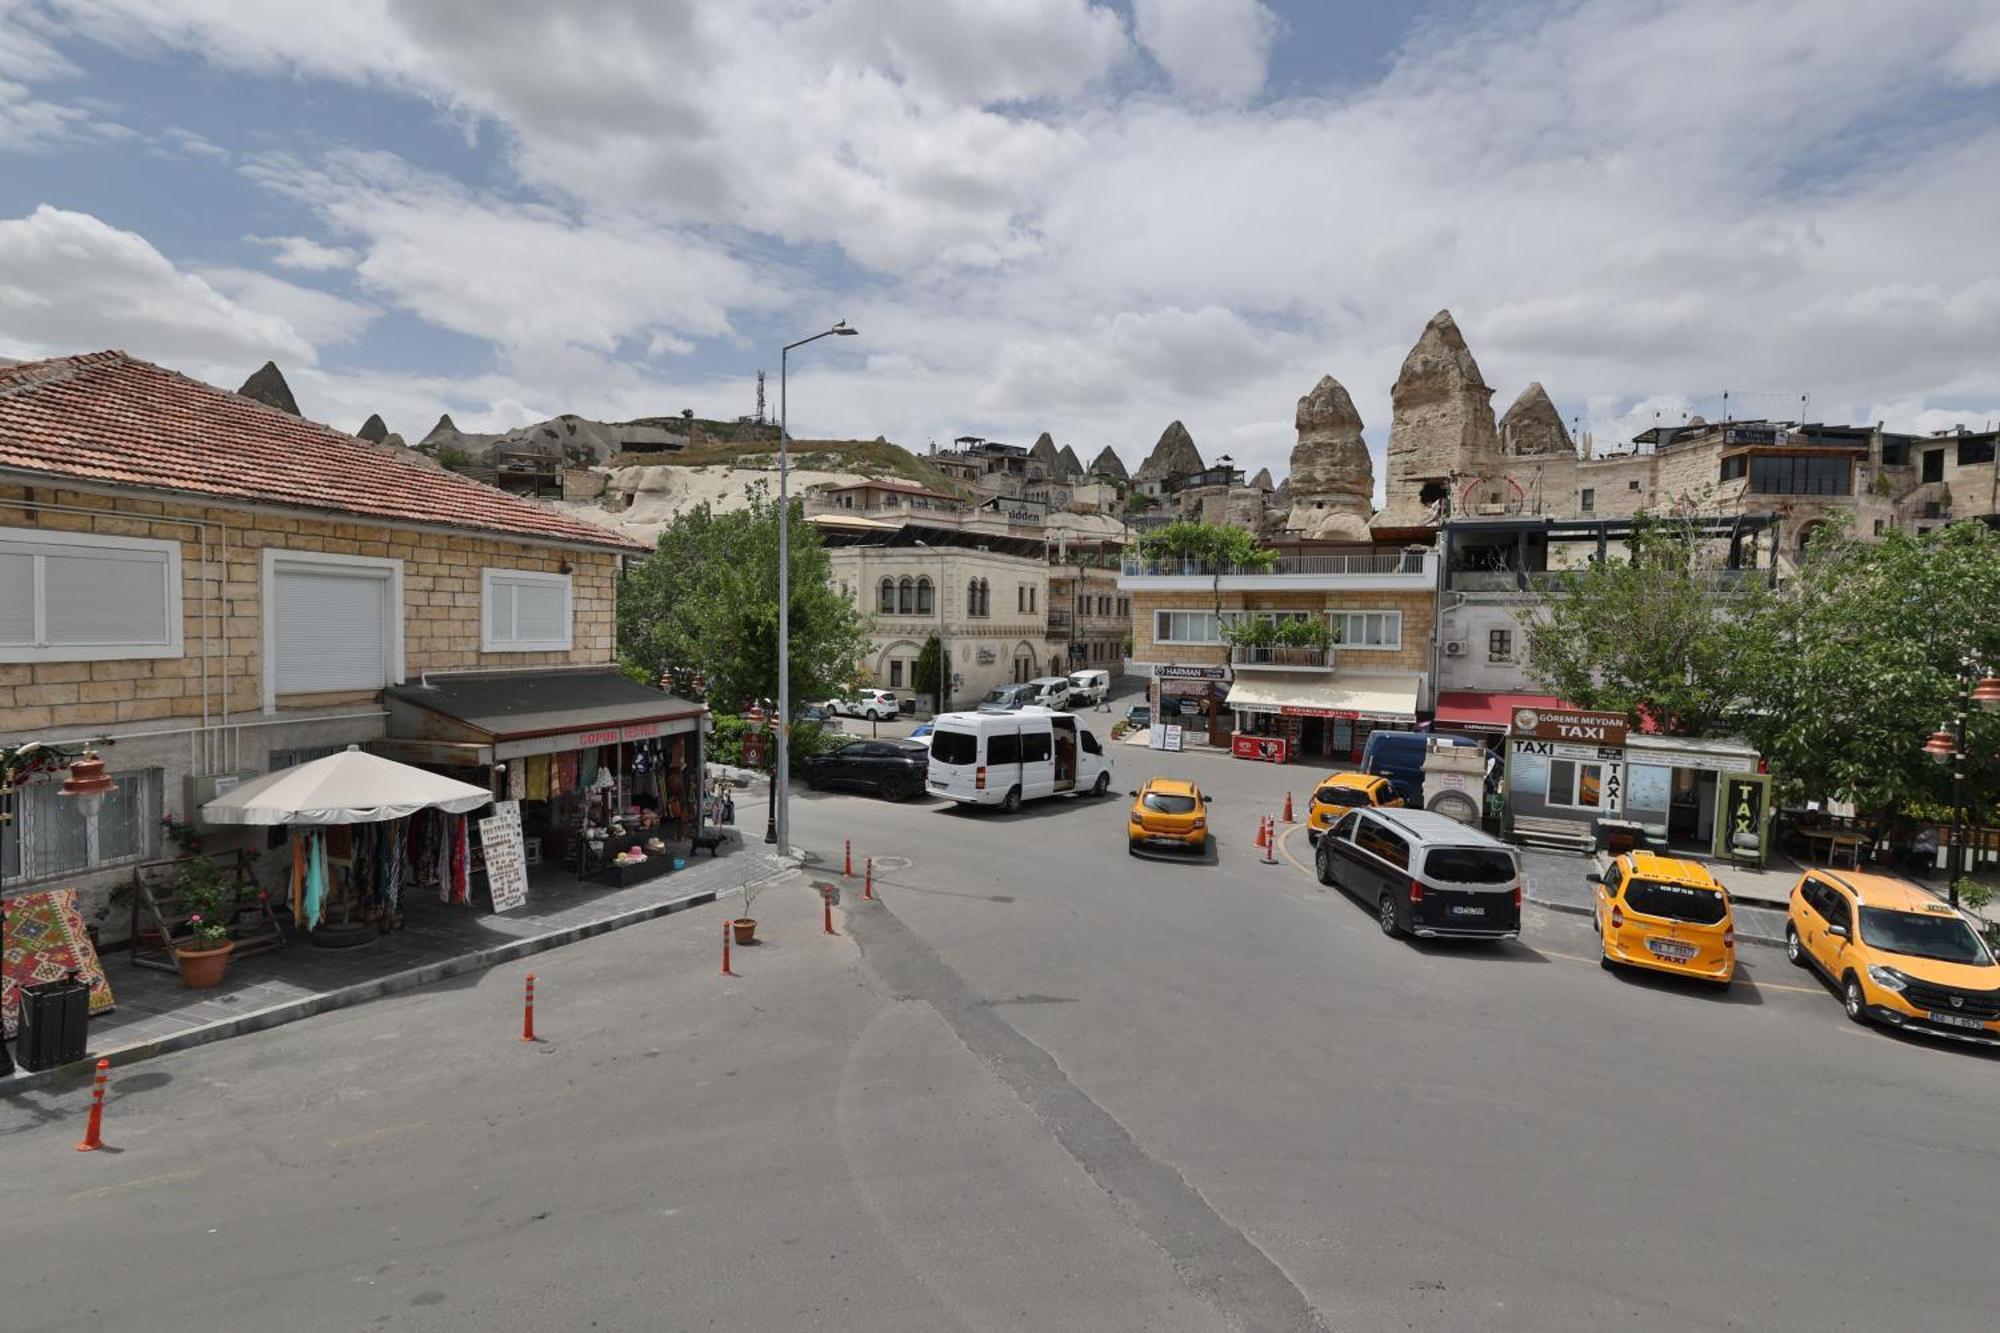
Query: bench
{"x": 709, "y": 841}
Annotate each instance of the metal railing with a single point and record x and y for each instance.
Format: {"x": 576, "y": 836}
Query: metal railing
{"x": 1280, "y": 655}
{"x": 1396, "y": 562}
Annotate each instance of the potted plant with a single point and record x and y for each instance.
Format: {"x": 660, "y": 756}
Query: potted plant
{"x": 210, "y": 900}
{"x": 744, "y": 927}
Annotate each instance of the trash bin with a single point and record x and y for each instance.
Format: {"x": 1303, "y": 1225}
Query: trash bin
{"x": 54, "y": 1023}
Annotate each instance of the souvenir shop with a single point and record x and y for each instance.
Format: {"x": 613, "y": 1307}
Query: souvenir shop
{"x": 605, "y": 773}
{"x": 1317, "y": 717}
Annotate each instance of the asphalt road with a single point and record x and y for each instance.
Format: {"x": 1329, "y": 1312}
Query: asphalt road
{"x": 1039, "y": 1085}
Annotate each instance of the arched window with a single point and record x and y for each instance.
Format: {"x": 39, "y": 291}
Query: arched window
{"x": 924, "y": 596}
{"x": 906, "y": 596}
{"x": 985, "y": 598}
{"x": 886, "y": 603}
{"x": 972, "y": 597}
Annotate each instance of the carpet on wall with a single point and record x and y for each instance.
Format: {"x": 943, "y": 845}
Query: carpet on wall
{"x": 46, "y": 941}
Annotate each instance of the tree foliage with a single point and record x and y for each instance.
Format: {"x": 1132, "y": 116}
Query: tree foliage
{"x": 925, "y": 677}
{"x": 706, "y": 602}
{"x": 1211, "y": 546}
{"x": 1660, "y": 632}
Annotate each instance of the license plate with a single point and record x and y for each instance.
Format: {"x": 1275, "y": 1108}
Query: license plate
{"x": 1163, "y": 842}
{"x": 1956, "y": 1020}
{"x": 1672, "y": 950}
{"x": 1458, "y": 909}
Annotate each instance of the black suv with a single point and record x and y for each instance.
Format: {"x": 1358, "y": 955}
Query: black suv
{"x": 893, "y": 768}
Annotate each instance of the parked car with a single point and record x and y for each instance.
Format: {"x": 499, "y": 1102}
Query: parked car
{"x": 1399, "y": 757}
{"x": 1338, "y": 793}
{"x": 1049, "y": 691}
{"x": 874, "y": 705}
{"x": 822, "y": 715}
{"x": 892, "y": 768}
{"x": 1089, "y": 687}
{"x": 1140, "y": 715}
{"x": 1006, "y": 699}
{"x": 1898, "y": 954}
{"x": 1665, "y": 914}
{"x": 1424, "y": 874}
{"x": 1005, "y": 758}
{"x": 1168, "y": 814}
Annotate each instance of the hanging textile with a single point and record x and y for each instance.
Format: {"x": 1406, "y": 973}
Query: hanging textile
{"x": 315, "y": 904}
{"x": 538, "y": 776}
{"x": 586, "y": 772}
{"x": 398, "y": 865}
{"x": 461, "y": 861}
{"x": 298, "y": 884}
{"x": 517, "y": 780}
{"x": 566, "y": 769}
{"x": 441, "y": 853}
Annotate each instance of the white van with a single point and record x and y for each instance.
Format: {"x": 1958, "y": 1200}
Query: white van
{"x": 1089, "y": 687}
{"x": 1005, "y": 758}
{"x": 1049, "y": 692}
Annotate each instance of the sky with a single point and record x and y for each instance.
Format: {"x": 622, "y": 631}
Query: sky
{"x": 1086, "y": 217}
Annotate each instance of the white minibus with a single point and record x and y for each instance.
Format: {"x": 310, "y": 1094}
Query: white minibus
{"x": 1005, "y": 758}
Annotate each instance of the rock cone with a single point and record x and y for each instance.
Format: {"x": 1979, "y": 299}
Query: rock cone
{"x": 1332, "y": 481}
{"x": 268, "y": 387}
{"x": 1533, "y": 427}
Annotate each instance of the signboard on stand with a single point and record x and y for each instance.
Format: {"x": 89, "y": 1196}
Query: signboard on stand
{"x": 506, "y": 856}
{"x": 1269, "y": 749}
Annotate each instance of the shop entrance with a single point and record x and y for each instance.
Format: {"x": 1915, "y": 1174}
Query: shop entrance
{"x": 1691, "y": 814}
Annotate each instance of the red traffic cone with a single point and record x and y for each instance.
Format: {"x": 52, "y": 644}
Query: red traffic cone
{"x": 1288, "y": 809}
{"x": 1260, "y": 832}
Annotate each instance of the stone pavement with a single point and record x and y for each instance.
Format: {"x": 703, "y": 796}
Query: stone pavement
{"x": 156, "y": 1014}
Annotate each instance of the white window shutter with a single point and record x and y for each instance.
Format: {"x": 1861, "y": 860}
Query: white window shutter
{"x": 17, "y": 599}
{"x": 541, "y": 612}
{"x": 526, "y": 611}
{"x": 94, "y": 599}
{"x": 332, "y": 631}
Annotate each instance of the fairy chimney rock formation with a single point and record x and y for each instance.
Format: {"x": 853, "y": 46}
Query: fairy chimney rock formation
{"x": 1262, "y": 481}
{"x": 374, "y": 430}
{"x": 1069, "y": 464}
{"x": 268, "y": 387}
{"x": 1109, "y": 464}
{"x": 444, "y": 433}
{"x": 1174, "y": 456}
{"x": 1441, "y": 430}
{"x": 1332, "y": 482}
{"x": 1044, "y": 452}
{"x": 1532, "y": 427}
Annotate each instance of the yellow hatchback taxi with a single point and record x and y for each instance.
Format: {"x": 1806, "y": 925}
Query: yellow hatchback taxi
{"x": 1338, "y": 793}
{"x": 1898, "y": 955}
{"x": 1667, "y": 915}
{"x": 1167, "y": 815}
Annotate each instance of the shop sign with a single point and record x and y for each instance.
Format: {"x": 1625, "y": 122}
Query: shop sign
{"x": 1740, "y": 830}
{"x": 506, "y": 856}
{"x": 1596, "y": 754}
{"x": 1301, "y": 710}
{"x": 753, "y": 749}
{"x": 1710, "y": 763}
{"x": 1576, "y": 725}
{"x": 987, "y": 657}
{"x": 1191, "y": 672}
{"x": 1269, "y": 749}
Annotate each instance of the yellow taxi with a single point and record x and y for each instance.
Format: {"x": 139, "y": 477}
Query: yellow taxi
{"x": 1167, "y": 815}
{"x": 1338, "y": 793}
{"x": 1666, "y": 915}
{"x": 1898, "y": 955}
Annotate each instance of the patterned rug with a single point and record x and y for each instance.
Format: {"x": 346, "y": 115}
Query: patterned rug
{"x": 46, "y": 941}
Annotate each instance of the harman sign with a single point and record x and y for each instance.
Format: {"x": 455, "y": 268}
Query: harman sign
{"x": 1575, "y": 725}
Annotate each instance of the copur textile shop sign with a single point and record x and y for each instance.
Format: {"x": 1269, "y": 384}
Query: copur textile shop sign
{"x": 1578, "y": 726}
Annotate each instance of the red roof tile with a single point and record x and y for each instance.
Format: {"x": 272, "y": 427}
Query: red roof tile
{"x": 112, "y": 419}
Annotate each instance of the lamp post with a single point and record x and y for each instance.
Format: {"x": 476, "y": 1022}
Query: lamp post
{"x": 781, "y": 790}
{"x": 86, "y": 785}
{"x": 1947, "y": 746}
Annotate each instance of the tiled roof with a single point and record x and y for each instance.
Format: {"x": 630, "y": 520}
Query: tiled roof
{"x": 111, "y": 419}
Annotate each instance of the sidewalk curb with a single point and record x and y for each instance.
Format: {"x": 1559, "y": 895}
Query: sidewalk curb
{"x": 291, "y": 1011}
{"x": 1573, "y": 909}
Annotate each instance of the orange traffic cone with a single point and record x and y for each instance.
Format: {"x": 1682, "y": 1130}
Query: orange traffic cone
{"x": 1288, "y": 809}
{"x": 1263, "y": 830}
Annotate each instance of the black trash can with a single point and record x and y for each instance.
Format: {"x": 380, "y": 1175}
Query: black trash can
{"x": 54, "y": 1023}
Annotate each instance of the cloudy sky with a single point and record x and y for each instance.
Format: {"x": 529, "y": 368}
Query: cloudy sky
{"x": 1082, "y": 216}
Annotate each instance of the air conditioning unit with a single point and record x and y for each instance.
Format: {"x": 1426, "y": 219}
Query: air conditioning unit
{"x": 1455, "y": 648}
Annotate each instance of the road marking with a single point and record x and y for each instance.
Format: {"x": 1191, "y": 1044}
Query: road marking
{"x": 144, "y": 1182}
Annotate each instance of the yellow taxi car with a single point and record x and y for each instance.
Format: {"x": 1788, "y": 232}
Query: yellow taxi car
{"x": 1167, "y": 815}
{"x": 1338, "y": 793}
{"x": 1667, "y": 915}
{"x": 1898, "y": 955}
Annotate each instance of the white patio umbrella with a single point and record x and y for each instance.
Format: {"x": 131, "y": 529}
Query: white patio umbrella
{"x": 352, "y": 787}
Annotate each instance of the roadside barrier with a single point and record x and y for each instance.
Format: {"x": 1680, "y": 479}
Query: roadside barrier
{"x": 725, "y": 950}
{"x": 1259, "y": 842}
{"x": 868, "y": 884}
{"x": 1288, "y": 809}
{"x": 1271, "y": 846}
{"x": 528, "y": 1011}
{"x": 93, "y": 1134}
{"x": 826, "y": 902}
{"x": 847, "y": 868}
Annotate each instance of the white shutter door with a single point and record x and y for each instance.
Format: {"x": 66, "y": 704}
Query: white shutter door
{"x": 541, "y": 612}
{"x": 105, "y": 599}
{"x": 332, "y": 632}
{"x": 17, "y": 599}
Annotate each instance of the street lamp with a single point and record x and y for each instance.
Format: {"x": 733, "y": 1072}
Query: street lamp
{"x": 782, "y": 781}
{"x": 86, "y": 784}
{"x": 1947, "y": 746}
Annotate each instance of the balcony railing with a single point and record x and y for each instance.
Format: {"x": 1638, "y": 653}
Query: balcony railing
{"x": 1548, "y": 580}
{"x": 1395, "y": 562}
{"x": 1281, "y": 656}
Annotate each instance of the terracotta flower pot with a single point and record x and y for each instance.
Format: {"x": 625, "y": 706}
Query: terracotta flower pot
{"x": 745, "y": 928}
{"x": 203, "y": 968}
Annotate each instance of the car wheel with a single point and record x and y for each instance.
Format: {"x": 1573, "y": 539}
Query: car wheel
{"x": 1102, "y": 785}
{"x": 1795, "y": 951}
{"x": 1853, "y": 999}
{"x": 1323, "y": 866}
{"x": 1012, "y": 803}
{"x": 1387, "y": 907}
{"x": 1604, "y": 961}
{"x": 812, "y": 783}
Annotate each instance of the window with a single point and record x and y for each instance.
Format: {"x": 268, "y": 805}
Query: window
{"x": 1972, "y": 453}
{"x": 1104, "y": 606}
{"x": 1344, "y": 830}
{"x": 1124, "y": 606}
{"x": 1802, "y": 474}
{"x": 954, "y": 747}
{"x": 925, "y": 597}
{"x": 1020, "y": 598}
{"x": 331, "y": 622}
{"x": 1470, "y": 865}
{"x": 1185, "y": 627}
{"x": 1737, "y": 465}
{"x": 81, "y": 597}
{"x": 1499, "y": 645}
{"x": 1381, "y": 630}
{"x": 1374, "y": 838}
{"x": 1880, "y": 526}
{"x": 1082, "y": 605}
{"x": 906, "y": 596}
{"x": 1168, "y": 803}
{"x": 1944, "y": 936}
{"x": 1631, "y": 485}
{"x": 1675, "y": 902}
{"x": 1586, "y": 499}
{"x": 895, "y": 675}
{"x": 1933, "y": 465}
{"x": 886, "y": 601}
{"x": 1034, "y": 747}
{"x": 51, "y": 837}
{"x": 1895, "y": 453}
{"x": 1003, "y": 747}
{"x": 1088, "y": 740}
{"x": 1577, "y": 785}
{"x": 527, "y": 611}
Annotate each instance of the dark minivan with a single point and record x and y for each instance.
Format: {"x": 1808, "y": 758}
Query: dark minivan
{"x": 1424, "y": 874}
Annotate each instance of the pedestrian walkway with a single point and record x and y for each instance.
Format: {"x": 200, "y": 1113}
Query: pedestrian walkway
{"x": 156, "y": 1014}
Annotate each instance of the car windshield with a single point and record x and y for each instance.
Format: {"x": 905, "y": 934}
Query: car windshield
{"x": 954, "y": 747}
{"x": 1168, "y": 803}
{"x": 1941, "y": 935}
{"x": 1470, "y": 865}
{"x": 1347, "y": 796}
{"x": 998, "y": 697}
{"x": 1676, "y": 902}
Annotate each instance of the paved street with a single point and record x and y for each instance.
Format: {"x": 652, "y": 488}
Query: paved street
{"x": 1040, "y": 1085}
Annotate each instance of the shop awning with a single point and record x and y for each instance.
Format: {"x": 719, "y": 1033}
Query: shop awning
{"x": 541, "y": 712}
{"x": 1385, "y": 698}
{"x": 352, "y": 787}
{"x": 1480, "y": 710}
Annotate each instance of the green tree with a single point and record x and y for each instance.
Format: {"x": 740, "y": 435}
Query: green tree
{"x": 1858, "y": 660}
{"x": 927, "y": 677}
{"x": 706, "y": 602}
{"x": 1662, "y": 632}
{"x": 1211, "y": 547}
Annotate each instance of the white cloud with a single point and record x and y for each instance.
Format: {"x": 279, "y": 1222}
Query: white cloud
{"x": 1212, "y": 48}
{"x": 305, "y": 254}
{"x": 321, "y": 318}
